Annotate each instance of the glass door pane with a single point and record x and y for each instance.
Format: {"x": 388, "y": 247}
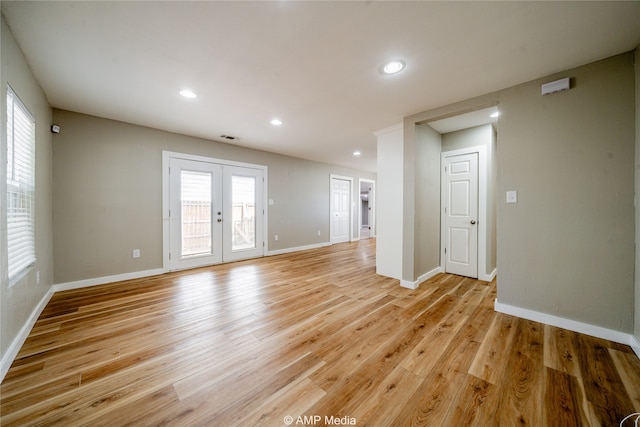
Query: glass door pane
{"x": 195, "y": 195}
{"x": 195, "y": 214}
{"x": 243, "y": 226}
{"x": 243, "y": 199}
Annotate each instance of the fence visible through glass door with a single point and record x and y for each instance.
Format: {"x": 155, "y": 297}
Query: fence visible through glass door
{"x": 196, "y": 212}
{"x": 244, "y": 212}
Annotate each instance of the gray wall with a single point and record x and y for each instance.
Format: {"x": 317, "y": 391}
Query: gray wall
{"x": 466, "y": 138}
{"x": 492, "y": 212}
{"x": 428, "y": 149}
{"x": 18, "y": 301}
{"x": 567, "y": 247}
{"x": 637, "y": 219}
{"x": 108, "y": 195}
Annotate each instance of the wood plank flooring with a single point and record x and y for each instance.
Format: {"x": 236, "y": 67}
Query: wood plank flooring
{"x": 310, "y": 335}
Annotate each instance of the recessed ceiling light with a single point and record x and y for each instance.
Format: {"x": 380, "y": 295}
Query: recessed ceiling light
{"x": 188, "y": 93}
{"x": 494, "y": 115}
{"x": 276, "y": 122}
{"x": 356, "y": 153}
{"x": 394, "y": 66}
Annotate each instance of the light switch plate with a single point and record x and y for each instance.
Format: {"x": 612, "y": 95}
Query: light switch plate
{"x": 512, "y": 197}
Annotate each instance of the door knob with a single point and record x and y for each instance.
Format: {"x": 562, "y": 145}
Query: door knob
{"x": 219, "y": 219}
{"x": 473, "y": 221}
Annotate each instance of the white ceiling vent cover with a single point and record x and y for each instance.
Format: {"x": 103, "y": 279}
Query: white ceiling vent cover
{"x": 556, "y": 86}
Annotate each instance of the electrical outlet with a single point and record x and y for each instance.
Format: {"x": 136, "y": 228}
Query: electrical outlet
{"x": 275, "y": 237}
{"x": 136, "y": 253}
{"x": 37, "y": 277}
{"x": 318, "y": 232}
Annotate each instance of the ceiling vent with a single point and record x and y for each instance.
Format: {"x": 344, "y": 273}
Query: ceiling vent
{"x": 229, "y": 137}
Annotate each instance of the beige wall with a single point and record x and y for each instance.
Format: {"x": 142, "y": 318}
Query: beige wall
{"x": 566, "y": 248}
{"x": 108, "y": 195}
{"x": 19, "y": 301}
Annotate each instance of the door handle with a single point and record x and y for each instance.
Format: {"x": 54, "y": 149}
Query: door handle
{"x": 473, "y": 221}
{"x": 219, "y": 219}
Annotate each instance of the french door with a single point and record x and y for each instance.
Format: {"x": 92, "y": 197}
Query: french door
{"x": 215, "y": 213}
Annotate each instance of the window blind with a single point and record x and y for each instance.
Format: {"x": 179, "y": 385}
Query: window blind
{"x": 21, "y": 248}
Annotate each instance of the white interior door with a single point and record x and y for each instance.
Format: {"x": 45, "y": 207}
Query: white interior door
{"x": 243, "y": 213}
{"x": 461, "y": 214}
{"x": 340, "y": 226}
{"x": 195, "y": 213}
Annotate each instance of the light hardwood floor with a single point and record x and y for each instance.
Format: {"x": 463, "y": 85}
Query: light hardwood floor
{"x": 309, "y": 334}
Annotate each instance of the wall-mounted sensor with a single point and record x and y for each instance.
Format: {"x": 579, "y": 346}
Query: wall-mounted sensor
{"x": 55, "y": 128}
{"x": 557, "y": 86}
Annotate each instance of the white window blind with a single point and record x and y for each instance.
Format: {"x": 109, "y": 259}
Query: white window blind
{"x": 21, "y": 248}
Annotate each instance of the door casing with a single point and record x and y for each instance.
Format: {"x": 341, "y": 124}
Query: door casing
{"x": 331, "y": 222}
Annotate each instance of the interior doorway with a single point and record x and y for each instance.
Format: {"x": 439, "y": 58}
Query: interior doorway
{"x": 460, "y": 213}
{"x": 468, "y": 248}
{"x": 367, "y": 209}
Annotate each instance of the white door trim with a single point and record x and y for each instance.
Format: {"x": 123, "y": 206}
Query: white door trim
{"x": 344, "y": 178}
{"x": 372, "y": 207}
{"x": 166, "y": 157}
{"x": 482, "y": 205}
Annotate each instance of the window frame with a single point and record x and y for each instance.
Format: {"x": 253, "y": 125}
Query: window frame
{"x": 20, "y": 191}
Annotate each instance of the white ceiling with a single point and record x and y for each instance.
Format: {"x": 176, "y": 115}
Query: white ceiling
{"x": 314, "y": 65}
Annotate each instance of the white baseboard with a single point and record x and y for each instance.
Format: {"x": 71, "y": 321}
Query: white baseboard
{"x": 488, "y": 277}
{"x": 426, "y": 276}
{"x": 17, "y": 343}
{"x": 106, "y": 279}
{"x": 572, "y": 325}
{"x": 409, "y": 284}
{"x": 298, "y": 248}
{"x": 635, "y": 345}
